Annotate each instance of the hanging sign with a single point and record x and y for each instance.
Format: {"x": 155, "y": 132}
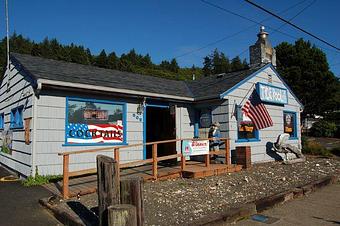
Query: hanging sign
{"x": 192, "y": 147}
{"x": 272, "y": 94}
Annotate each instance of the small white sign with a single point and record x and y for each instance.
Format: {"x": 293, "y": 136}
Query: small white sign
{"x": 192, "y": 147}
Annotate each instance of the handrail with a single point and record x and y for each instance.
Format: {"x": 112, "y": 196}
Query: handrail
{"x": 154, "y": 160}
{"x": 131, "y": 145}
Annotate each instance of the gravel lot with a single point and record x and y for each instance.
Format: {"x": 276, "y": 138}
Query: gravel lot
{"x": 180, "y": 201}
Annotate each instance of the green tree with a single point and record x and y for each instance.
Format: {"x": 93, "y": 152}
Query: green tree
{"x": 174, "y": 66}
{"x": 101, "y": 60}
{"x": 306, "y": 70}
{"x": 236, "y": 64}
{"x": 207, "y": 66}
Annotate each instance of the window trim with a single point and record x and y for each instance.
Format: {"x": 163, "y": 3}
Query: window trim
{"x": 13, "y": 120}
{"x": 295, "y": 137}
{"x": 2, "y": 121}
{"x": 97, "y": 101}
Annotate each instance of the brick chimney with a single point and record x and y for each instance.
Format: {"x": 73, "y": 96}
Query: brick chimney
{"x": 262, "y": 51}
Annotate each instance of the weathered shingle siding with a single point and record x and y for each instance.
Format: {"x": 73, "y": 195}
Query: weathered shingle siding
{"x": 18, "y": 93}
{"x": 240, "y": 96}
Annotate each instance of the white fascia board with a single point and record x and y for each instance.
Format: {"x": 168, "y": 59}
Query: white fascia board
{"x": 108, "y": 89}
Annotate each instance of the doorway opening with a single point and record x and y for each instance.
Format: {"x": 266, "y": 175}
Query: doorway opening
{"x": 160, "y": 125}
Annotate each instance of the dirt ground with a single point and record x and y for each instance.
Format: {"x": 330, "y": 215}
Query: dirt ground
{"x": 180, "y": 201}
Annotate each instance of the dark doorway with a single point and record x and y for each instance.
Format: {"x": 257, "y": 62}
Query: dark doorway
{"x": 160, "y": 125}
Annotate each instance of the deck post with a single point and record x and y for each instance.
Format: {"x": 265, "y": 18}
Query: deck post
{"x": 182, "y": 162}
{"x": 122, "y": 215}
{"x": 66, "y": 161}
{"x": 227, "y": 151}
{"x": 207, "y": 160}
{"x": 154, "y": 161}
{"x": 116, "y": 154}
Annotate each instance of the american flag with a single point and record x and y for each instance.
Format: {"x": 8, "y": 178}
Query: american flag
{"x": 257, "y": 112}
{"x": 94, "y": 133}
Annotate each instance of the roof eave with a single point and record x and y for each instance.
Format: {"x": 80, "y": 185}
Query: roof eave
{"x": 112, "y": 90}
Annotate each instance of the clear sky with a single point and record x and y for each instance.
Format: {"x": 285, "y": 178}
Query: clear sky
{"x": 167, "y": 29}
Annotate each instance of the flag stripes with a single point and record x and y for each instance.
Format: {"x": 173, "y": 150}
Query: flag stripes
{"x": 257, "y": 112}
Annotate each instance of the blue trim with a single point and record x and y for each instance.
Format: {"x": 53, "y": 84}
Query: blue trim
{"x": 242, "y": 140}
{"x": 275, "y": 87}
{"x": 17, "y": 123}
{"x": 295, "y": 136}
{"x": 160, "y": 105}
{"x": 196, "y": 131}
{"x": 97, "y": 101}
{"x": 2, "y": 121}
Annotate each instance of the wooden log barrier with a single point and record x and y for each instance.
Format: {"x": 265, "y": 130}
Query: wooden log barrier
{"x": 108, "y": 186}
{"x": 122, "y": 215}
{"x": 131, "y": 192}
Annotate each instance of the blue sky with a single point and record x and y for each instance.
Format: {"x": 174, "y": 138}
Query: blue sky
{"x": 167, "y": 29}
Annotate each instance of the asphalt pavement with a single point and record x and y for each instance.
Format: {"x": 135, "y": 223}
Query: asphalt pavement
{"x": 319, "y": 208}
{"x": 19, "y": 205}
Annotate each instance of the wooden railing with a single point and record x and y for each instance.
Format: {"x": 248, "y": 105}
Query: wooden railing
{"x": 154, "y": 160}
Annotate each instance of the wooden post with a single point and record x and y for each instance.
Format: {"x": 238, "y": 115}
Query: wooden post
{"x": 66, "y": 161}
{"x": 122, "y": 215}
{"x": 182, "y": 162}
{"x": 108, "y": 186}
{"x": 227, "y": 151}
{"x": 131, "y": 192}
{"x": 207, "y": 160}
{"x": 154, "y": 161}
{"x": 116, "y": 154}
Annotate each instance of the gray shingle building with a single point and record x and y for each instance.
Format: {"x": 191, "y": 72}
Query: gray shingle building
{"x": 49, "y": 106}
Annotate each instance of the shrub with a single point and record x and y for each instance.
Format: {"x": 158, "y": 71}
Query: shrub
{"x": 314, "y": 148}
{"x": 40, "y": 180}
{"x": 323, "y": 128}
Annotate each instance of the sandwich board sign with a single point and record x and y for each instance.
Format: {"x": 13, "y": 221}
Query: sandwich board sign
{"x": 195, "y": 147}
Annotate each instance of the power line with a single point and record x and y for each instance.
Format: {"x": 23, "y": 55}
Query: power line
{"x": 293, "y": 25}
{"x": 234, "y": 34}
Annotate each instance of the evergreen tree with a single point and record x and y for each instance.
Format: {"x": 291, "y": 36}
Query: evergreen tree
{"x": 236, "y": 64}
{"x": 101, "y": 60}
{"x": 306, "y": 70}
{"x": 207, "y": 66}
{"x": 174, "y": 66}
{"x": 113, "y": 60}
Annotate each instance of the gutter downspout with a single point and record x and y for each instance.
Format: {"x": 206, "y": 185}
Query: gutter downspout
{"x": 34, "y": 127}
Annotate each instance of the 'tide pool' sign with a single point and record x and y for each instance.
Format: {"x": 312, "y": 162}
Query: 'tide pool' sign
{"x": 272, "y": 94}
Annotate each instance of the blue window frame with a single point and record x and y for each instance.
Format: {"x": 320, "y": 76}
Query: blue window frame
{"x": 91, "y": 122}
{"x": 2, "y": 120}
{"x": 246, "y": 131}
{"x": 290, "y": 124}
{"x": 16, "y": 118}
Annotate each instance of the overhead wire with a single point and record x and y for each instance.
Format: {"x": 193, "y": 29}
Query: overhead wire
{"x": 291, "y": 24}
{"x": 236, "y": 33}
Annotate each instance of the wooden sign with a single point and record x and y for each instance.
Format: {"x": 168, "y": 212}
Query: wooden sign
{"x": 27, "y": 130}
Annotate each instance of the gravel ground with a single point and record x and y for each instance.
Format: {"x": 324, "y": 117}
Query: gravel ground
{"x": 180, "y": 201}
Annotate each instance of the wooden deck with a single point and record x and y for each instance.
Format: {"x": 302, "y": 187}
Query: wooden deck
{"x": 88, "y": 184}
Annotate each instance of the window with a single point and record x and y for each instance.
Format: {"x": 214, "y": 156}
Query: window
{"x": 203, "y": 124}
{"x": 246, "y": 131}
{"x": 94, "y": 122}
{"x": 290, "y": 124}
{"x": 2, "y": 120}
{"x": 16, "y": 118}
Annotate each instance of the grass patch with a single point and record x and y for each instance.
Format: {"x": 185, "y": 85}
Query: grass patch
{"x": 40, "y": 180}
{"x": 312, "y": 147}
{"x": 6, "y": 150}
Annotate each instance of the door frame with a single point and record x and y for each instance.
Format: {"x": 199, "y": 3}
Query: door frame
{"x": 144, "y": 122}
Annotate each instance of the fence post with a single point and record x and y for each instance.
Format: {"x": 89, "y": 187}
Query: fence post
{"x": 182, "y": 162}
{"x": 207, "y": 160}
{"x": 66, "y": 161}
{"x": 122, "y": 215}
{"x": 108, "y": 186}
{"x": 131, "y": 192}
{"x": 154, "y": 161}
{"x": 227, "y": 151}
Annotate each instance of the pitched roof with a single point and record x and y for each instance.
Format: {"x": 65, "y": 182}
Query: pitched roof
{"x": 215, "y": 85}
{"x": 207, "y": 87}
